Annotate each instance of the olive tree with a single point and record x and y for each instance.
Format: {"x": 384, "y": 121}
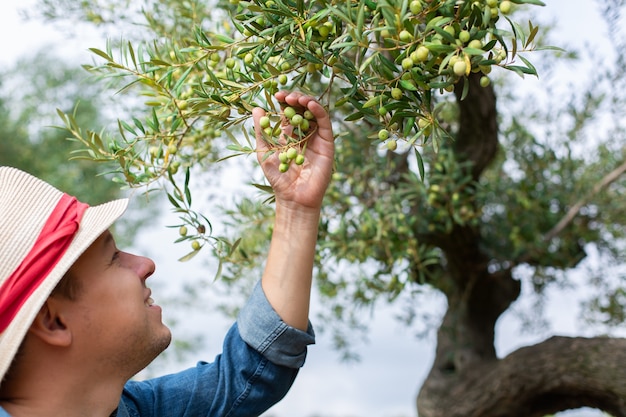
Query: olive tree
{"x": 30, "y": 91}
{"x": 436, "y": 183}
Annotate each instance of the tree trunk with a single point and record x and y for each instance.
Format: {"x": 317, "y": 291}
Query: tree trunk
{"x": 467, "y": 379}
{"x": 558, "y": 374}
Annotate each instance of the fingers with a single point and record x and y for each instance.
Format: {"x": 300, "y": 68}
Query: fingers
{"x": 321, "y": 142}
{"x": 322, "y": 118}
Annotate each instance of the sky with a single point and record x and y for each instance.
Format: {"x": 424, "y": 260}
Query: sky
{"x": 394, "y": 361}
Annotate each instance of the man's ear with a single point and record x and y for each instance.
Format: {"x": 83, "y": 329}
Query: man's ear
{"x": 49, "y": 324}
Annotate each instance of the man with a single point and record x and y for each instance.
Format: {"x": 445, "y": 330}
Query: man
{"x": 77, "y": 320}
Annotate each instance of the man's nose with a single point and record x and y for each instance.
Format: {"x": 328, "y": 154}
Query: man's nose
{"x": 143, "y": 266}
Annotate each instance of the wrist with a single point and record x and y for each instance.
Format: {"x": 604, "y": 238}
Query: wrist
{"x": 296, "y": 217}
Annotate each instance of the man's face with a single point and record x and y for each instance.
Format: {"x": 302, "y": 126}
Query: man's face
{"x": 113, "y": 320}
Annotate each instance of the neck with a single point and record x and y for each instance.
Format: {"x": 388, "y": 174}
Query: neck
{"x": 59, "y": 394}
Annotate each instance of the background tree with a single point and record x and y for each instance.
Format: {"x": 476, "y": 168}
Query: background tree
{"x": 30, "y": 93}
{"x": 497, "y": 195}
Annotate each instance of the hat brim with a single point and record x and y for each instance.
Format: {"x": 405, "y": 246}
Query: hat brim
{"x": 96, "y": 220}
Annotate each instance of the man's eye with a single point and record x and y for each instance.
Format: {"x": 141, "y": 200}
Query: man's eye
{"x": 116, "y": 255}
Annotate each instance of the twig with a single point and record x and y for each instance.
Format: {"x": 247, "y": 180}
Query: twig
{"x": 573, "y": 211}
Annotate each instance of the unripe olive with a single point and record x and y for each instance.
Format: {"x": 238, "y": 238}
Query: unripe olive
{"x": 230, "y": 63}
{"x": 407, "y": 63}
{"x": 505, "y": 7}
{"x": 323, "y": 31}
{"x": 172, "y": 149}
{"x": 486, "y": 69}
{"x": 296, "y": 120}
{"x": 460, "y": 68}
{"x": 421, "y": 54}
{"x": 283, "y": 167}
{"x": 405, "y": 36}
{"x": 415, "y": 6}
{"x": 173, "y": 168}
{"x": 476, "y": 44}
{"x": 392, "y": 145}
{"x": 182, "y": 231}
{"x": 291, "y": 153}
{"x": 396, "y": 93}
{"x": 484, "y": 81}
{"x": 195, "y": 245}
{"x": 282, "y": 157}
{"x": 464, "y": 36}
{"x": 289, "y": 112}
{"x": 383, "y": 134}
{"x": 282, "y": 79}
{"x": 299, "y": 159}
{"x": 264, "y": 122}
{"x": 308, "y": 115}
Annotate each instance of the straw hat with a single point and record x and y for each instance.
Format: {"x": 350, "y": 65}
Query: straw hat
{"x": 26, "y": 204}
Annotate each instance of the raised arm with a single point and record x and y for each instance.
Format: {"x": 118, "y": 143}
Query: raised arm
{"x": 299, "y": 192}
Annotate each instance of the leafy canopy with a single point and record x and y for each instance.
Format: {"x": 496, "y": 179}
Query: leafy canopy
{"x": 383, "y": 64}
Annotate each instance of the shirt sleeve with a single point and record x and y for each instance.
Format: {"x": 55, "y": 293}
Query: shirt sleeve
{"x": 250, "y": 375}
{"x": 262, "y": 328}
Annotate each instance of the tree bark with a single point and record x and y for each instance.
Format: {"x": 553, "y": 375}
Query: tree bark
{"x": 558, "y": 374}
{"x": 467, "y": 378}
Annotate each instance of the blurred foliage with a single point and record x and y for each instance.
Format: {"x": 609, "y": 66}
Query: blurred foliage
{"x": 29, "y": 93}
{"x": 385, "y": 64}
{"x": 200, "y": 68}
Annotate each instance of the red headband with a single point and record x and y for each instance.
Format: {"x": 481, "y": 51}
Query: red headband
{"x": 54, "y": 239}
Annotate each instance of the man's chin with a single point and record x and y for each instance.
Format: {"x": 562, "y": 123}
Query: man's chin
{"x": 164, "y": 340}
{"x": 158, "y": 347}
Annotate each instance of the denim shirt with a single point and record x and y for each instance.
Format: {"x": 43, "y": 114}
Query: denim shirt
{"x": 260, "y": 360}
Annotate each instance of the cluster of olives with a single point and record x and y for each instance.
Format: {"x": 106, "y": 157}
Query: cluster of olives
{"x": 429, "y": 46}
{"x": 293, "y": 151}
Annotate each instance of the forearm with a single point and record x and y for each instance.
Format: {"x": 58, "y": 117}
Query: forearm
{"x": 288, "y": 273}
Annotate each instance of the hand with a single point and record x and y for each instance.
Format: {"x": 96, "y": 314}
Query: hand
{"x": 302, "y": 186}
